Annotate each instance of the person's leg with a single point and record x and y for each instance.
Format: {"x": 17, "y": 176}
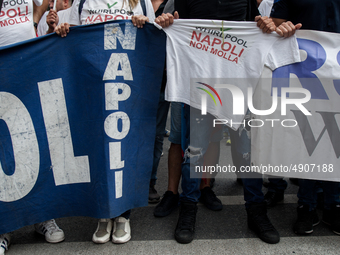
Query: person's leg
{"x": 277, "y": 185}
{"x": 257, "y": 218}
{"x": 252, "y": 188}
{"x": 174, "y": 167}
{"x": 175, "y": 157}
{"x": 211, "y": 158}
{"x": 307, "y": 193}
{"x": 212, "y": 155}
{"x": 306, "y": 211}
{"x": 331, "y": 211}
{"x": 162, "y": 114}
{"x": 171, "y": 197}
{"x": 256, "y": 208}
{"x": 331, "y": 194}
{"x": 196, "y": 132}
{"x": 275, "y": 193}
{"x": 236, "y": 154}
{"x": 241, "y": 150}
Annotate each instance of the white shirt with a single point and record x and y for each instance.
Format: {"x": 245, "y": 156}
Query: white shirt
{"x": 199, "y": 52}
{"x": 265, "y": 7}
{"x": 64, "y": 16}
{"x": 16, "y": 21}
{"x": 97, "y": 11}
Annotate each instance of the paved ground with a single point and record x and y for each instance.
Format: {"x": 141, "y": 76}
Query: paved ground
{"x": 223, "y": 232}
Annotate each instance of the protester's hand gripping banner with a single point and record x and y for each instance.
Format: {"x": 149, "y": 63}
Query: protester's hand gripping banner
{"x": 302, "y": 137}
{"x": 77, "y": 122}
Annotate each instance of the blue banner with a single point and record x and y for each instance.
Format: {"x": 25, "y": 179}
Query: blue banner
{"x": 77, "y": 122}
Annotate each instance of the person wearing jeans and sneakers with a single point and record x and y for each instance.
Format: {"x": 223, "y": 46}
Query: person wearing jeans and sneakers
{"x": 256, "y": 208}
{"x": 171, "y": 197}
{"x": 175, "y": 158}
{"x": 83, "y": 12}
{"x": 324, "y": 15}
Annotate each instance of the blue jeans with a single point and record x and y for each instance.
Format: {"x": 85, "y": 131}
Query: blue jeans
{"x": 162, "y": 114}
{"x": 197, "y": 146}
{"x": 241, "y": 154}
{"x": 241, "y": 145}
{"x": 307, "y": 193}
{"x": 196, "y": 141}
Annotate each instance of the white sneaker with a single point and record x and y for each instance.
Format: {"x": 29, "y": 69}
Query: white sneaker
{"x": 51, "y": 231}
{"x": 4, "y": 243}
{"x": 103, "y": 231}
{"x": 121, "y": 230}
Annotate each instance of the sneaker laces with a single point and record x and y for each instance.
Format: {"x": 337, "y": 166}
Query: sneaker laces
{"x": 50, "y": 226}
{"x": 4, "y": 242}
{"x": 187, "y": 217}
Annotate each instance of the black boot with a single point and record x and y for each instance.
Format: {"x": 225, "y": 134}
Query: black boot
{"x": 185, "y": 228}
{"x": 259, "y": 222}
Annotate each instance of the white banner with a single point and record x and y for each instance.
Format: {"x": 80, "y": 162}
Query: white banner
{"x": 289, "y": 142}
